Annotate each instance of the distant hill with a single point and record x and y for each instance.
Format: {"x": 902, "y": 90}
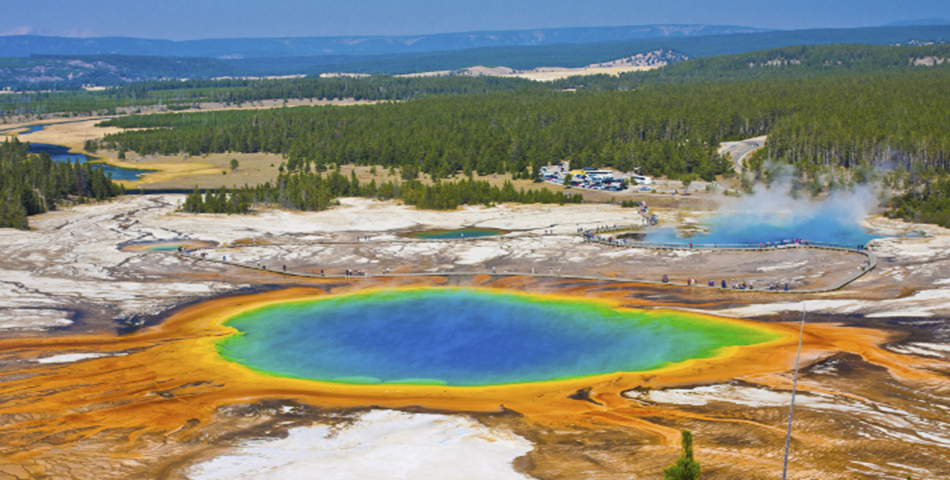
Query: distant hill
{"x": 579, "y": 55}
{"x": 63, "y": 70}
{"x": 236, "y": 48}
{"x": 918, "y": 22}
{"x": 51, "y": 71}
{"x": 795, "y": 62}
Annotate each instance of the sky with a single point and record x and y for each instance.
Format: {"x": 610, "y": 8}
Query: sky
{"x": 197, "y": 19}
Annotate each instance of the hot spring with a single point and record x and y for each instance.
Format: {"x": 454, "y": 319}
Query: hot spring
{"x": 735, "y": 230}
{"x": 167, "y": 245}
{"x": 465, "y": 337}
{"x": 775, "y": 217}
{"x": 458, "y": 233}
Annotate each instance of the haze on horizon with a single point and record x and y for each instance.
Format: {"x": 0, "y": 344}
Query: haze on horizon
{"x": 203, "y": 19}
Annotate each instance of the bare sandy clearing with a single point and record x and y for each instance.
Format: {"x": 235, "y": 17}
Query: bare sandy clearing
{"x": 540, "y": 74}
{"x": 380, "y": 444}
{"x": 549, "y": 74}
{"x": 636, "y": 63}
{"x": 178, "y": 171}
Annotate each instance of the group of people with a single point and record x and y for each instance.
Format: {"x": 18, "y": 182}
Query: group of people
{"x": 645, "y": 213}
{"x": 348, "y": 272}
{"x": 691, "y": 281}
{"x": 780, "y": 243}
{"x": 596, "y": 230}
{"x": 590, "y": 235}
{"x": 598, "y": 238}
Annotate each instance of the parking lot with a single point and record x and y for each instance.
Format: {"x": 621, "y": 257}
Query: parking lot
{"x": 593, "y": 179}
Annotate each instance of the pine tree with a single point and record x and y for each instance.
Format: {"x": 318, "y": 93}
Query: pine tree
{"x": 685, "y": 467}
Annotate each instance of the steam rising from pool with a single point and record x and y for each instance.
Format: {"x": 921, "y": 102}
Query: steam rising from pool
{"x": 469, "y": 337}
{"x": 773, "y": 215}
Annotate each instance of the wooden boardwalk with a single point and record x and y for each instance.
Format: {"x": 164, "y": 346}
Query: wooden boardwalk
{"x": 871, "y": 263}
{"x": 860, "y": 272}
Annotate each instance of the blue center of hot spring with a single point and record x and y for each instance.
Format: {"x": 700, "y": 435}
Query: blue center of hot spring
{"x": 468, "y": 337}
{"x": 829, "y": 223}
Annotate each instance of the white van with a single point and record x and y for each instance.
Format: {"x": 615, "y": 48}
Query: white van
{"x": 642, "y": 180}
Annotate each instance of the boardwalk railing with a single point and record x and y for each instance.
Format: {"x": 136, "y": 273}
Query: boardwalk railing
{"x": 591, "y": 236}
{"x": 615, "y": 242}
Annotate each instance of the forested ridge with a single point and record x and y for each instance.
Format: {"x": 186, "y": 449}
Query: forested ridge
{"x": 176, "y": 95}
{"x": 788, "y": 62}
{"x": 497, "y": 133}
{"x": 72, "y": 72}
{"x": 315, "y": 191}
{"x": 882, "y": 120}
{"x": 671, "y": 129}
{"x": 801, "y": 61}
{"x": 32, "y": 184}
{"x": 70, "y": 68}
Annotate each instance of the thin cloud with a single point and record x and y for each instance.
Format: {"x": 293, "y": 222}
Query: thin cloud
{"x": 24, "y": 30}
{"x": 31, "y": 30}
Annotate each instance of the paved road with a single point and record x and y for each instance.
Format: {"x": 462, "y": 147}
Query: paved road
{"x": 740, "y": 149}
